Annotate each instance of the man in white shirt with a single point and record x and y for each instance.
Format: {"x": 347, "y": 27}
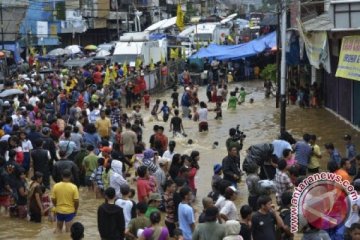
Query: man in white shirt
{"x": 125, "y": 203}
{"x": 203, "y": 113}
{"x": 279, "y": 147}
{"x": 33, "y": 100}
{"x": 168, "y": 154}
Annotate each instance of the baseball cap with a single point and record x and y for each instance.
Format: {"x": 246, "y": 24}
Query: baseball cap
{"x": 149, "y": 153}
{"x": 154, "y": 197}
{"x": 217, "y": 168}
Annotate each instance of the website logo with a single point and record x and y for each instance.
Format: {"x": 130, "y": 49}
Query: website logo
{"x": 322, "y": 200}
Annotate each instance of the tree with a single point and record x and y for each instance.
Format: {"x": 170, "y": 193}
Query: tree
{"x": 269, "y": 72}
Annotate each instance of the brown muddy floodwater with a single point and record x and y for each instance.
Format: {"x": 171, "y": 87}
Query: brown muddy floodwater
{"x": 259, "y": 121}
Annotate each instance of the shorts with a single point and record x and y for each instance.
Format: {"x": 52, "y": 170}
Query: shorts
{"x": 165, "y": 117}
{"x": 5, "y": 201}
{"x": 65, "y": 217}
{"x": 203, "y": 126}
{"x": 88, "y": 182}
{"x": 185, "y": 111}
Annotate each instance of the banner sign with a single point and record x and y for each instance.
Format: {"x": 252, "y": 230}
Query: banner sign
{"x": 42, "y": 28}
{"x": 349, "y": 59}
{"x": 317, "y": 47}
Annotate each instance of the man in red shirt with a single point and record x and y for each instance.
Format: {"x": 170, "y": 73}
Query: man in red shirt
{"x": 97, "y": 77}
{"x": 161, "y": 141}
{"x": 143, "y": 184}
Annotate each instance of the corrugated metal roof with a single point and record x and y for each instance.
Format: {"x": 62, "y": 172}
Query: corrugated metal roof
{"x": 320, "y": 23}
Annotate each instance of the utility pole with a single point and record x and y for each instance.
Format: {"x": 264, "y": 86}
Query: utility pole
{"x": 117, "y": 20}
{"x": 283, "y": 68}
{"x": 278, "y": 36}
{"x": 2, "y": 26}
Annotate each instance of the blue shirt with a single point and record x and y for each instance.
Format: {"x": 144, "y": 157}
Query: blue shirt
{"x": 335, "y": 156}
{"x": 350, "y": 151}
{"x": 165, "y": 110}
{"x": 63, "y": 107}
{"x": 280, "y": 146}
{"x": 120, "y": 72}
{"x": 86, "y": 97}
{"x": 185, "y": 100}
{"x": 68, "y": 146}
{"x": 92, "y": 139}
{"x": 7, "y": 129}
{"x": 186, "y": 218}
{"x": 302, "y": 153}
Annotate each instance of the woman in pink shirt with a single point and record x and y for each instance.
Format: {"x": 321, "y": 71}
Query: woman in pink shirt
{"x": 289, "y": 157}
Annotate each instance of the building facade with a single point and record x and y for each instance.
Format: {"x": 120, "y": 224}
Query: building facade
{"x": 337, "y": 18}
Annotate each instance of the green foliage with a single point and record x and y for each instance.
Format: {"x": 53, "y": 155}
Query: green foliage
{"x": 269, "y": 72}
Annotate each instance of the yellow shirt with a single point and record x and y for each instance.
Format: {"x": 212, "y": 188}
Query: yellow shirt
{"x": 65, "y": 193}
{"x": 314, "y": 160}
{"x": 103, "y": 127}
{"x": 73, "y": 83}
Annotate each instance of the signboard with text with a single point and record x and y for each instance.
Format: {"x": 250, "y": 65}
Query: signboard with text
{"x": 349, "y": 59}
{"x": 42, "y": 28}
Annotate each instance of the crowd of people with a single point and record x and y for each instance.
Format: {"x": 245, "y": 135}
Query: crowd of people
{"x": 65, "y": 132}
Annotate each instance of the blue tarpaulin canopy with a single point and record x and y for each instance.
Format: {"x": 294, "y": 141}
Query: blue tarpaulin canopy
{"x": 233, "y": 52}
{"x": 158, "y": 36}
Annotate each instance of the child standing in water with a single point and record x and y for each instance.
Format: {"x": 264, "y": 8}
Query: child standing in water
{"x": 156, "y": 109}
{"x": 218, "y": 111}
{"x": 166, "y": 111}
{"x": 175, "y": 98}
{"x": 232, "y": 101}
{"x": 146, "y": 98}
{"x": 242, "y": 96}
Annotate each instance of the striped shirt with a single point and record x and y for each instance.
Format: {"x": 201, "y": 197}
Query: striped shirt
{"x": 282, "y": 182}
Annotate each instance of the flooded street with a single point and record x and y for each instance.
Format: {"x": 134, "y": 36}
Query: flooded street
{"x": 259, "y": 121}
